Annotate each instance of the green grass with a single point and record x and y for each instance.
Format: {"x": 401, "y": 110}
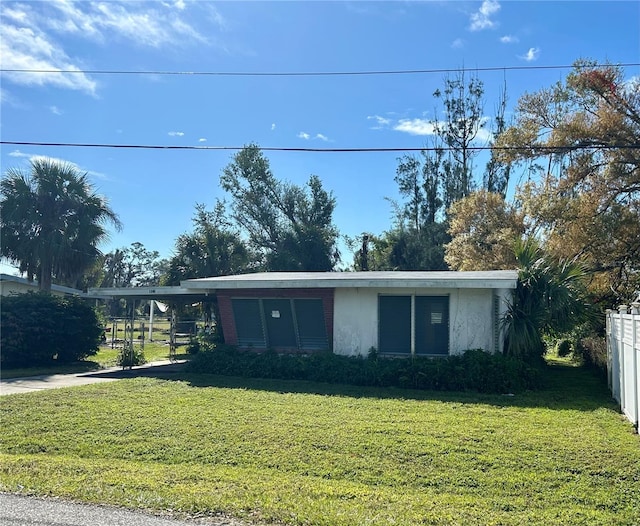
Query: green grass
{"x": 316, "y": 454}
{"x": 106, "y": 357}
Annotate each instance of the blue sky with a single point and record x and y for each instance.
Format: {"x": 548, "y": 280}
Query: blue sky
{"x": 154, "y": 191}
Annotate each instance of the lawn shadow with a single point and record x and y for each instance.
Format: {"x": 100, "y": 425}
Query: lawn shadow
{"x": 565, "y": 388}
{"x": 68, "y": 368}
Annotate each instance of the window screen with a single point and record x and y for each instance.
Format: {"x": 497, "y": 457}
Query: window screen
{"x": 312, "y": 332}
{"x": 394, "y": 330}
{"x": 432, "y": 324}
{"x": 279, "y": 321}
{"x": 248, "y": 318}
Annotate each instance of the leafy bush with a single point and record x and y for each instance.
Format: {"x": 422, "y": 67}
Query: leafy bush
{"x": 475, "y": 370}
{"x": 40, "y": 329}
{"x": 128, "y": 357}
{"x": 593, "y": 351}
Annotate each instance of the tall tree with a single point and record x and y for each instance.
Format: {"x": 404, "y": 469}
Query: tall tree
{"x": 289, "y": 226}
{"x": 464, "y": 119}
{"x": 133, "y": 266}
{"x": 484, "y": 230}
{"x": 52, "y": 221}
{"x": 581, "y": 136}
{"x": 214, "y": 248}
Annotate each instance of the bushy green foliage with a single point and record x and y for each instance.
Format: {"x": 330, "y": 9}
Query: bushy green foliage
{"x": 131, "y": 356}
{"x": 40, "y": 329}
{"x": 475, "y": 370}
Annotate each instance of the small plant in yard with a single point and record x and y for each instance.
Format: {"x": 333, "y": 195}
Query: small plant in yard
{"x": 131, "y": 356}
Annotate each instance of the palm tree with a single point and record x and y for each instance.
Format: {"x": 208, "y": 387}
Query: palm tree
{"x": 550, "y": 299}
{"x": 52, "y": 221}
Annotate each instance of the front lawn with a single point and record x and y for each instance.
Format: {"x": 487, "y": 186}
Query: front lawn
{"x": 317, "y": 454}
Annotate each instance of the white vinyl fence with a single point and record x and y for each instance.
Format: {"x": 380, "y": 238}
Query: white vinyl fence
{"x": 623, "y": 352}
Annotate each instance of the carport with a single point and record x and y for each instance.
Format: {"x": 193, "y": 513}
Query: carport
{"x": 173, "y": 296}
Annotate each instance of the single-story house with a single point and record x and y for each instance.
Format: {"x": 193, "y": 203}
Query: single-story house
{"x": 18, "y": 285}
{"x": 397, "y": 313}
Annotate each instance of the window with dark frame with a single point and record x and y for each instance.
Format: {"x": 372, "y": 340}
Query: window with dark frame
{"x": 413, "y": 324}
{"x": 280, "y": 323}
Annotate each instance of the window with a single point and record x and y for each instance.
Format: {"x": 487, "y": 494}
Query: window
{"x": 281, "y": 323}
{"x": 413, "y": 324}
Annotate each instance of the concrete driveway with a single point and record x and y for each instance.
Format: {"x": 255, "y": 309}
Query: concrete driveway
{"x": 52, "y": 381}
{"x": 16, "y": 510}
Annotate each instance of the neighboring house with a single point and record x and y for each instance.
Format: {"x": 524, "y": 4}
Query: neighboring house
{"x": 17, "y": 285}
{"x": 397, "y": 313}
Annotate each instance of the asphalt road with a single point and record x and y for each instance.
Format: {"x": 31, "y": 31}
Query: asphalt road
{"x": 30, "y": 511}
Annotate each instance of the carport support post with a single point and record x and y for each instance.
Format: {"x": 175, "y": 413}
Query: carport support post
{"x": 152, "y": 304}
{"x": 128, "y": 335}
{"x": 172, "y": 335}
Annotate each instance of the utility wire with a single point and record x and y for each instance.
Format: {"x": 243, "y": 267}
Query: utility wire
{"x": 309, "y": 73}
{"x": 541, "y": 148}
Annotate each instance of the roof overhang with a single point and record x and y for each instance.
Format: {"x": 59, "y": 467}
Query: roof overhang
{"x": 165, "y": 294}
{"x": 198, "y": 289}
{"x": 497, "y": 279}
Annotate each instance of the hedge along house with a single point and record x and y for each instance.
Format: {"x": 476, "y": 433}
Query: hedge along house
{"x": 397, "y": 313}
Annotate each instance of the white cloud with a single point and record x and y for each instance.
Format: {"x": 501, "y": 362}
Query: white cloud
{"x": 307, "y": 136}
{"x": 59, "y": 161}
{"x": 458, "y": 43}
{"x": 30, "y": 34}
{"x": 273, "y": 126}
{"x": 175, "y": 134}
{"x": 381, "y": 122}
{"x": 415, "y": 126}
{"x": 30, "y": 49}
{"x": 202, "y": 139}
{"x": 531, "y": 55}
{"x": 18, "y": 153}
{"x": 482, "y": 19}
{"x": 133, "y": 21}
{"x": 425, "y": 127}
{"x": 509, "y": 39}
{"x": 55, "y": 110}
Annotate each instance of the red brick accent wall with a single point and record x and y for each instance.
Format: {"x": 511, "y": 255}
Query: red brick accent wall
{"x": 226, "y": 307}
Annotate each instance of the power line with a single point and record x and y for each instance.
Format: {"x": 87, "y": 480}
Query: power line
{"x": 311, "y": 73}
{"x": 541, "y": 148}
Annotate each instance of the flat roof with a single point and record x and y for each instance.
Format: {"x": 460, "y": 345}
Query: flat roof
{"x": 492, "y": 279}
{"x": 200, "y": 288}
{"x": 8, "y": 278}
{"x": 148, "y": 293}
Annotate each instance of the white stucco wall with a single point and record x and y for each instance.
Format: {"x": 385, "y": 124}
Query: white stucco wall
{"x": 471, "y": 317}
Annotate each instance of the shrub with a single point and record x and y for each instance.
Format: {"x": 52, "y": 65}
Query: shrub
{"x": 475, "y": 370}
{"x": 40, "y": 329}
{"x": 128, "y": 357}
{"x": 593, "y": 351}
